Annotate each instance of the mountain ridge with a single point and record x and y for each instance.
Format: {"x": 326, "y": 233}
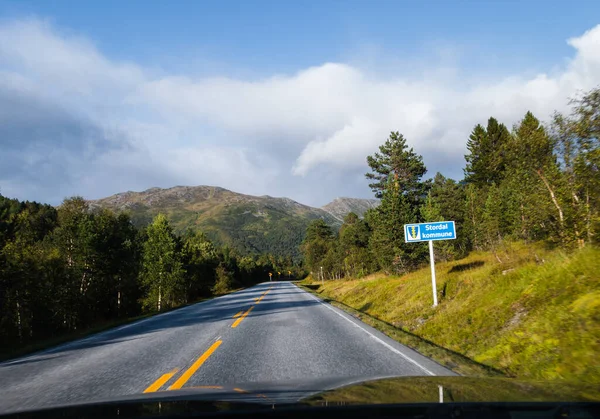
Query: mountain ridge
{"x": 248, "y": 223}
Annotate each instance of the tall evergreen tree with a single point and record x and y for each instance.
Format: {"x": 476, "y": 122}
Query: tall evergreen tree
{"x": 486, "y": 160}
{"x": 397, "y": 163}
{"x": 398, "y": 172}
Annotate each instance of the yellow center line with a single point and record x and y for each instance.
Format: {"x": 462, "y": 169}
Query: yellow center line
{"x": 161, "y": 381}
{"x": 242, "y": 317}
{"x": 238, "y": 314}
{"x": 191, "y": 370}
{"x": 262, "y": 296}
{"x": 239, "y": 390}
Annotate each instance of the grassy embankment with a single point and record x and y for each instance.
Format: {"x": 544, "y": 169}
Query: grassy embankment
{"x": 525, "y": 311}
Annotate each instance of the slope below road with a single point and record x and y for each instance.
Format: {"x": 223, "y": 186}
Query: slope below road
{"x": 272, "y": 333}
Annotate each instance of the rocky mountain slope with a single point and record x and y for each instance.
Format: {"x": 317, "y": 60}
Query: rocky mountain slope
{"x": 340, "y": 207}
{"x": 250, "y": 224}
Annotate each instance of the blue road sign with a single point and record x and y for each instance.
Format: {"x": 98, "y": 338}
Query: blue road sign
{"x": 443, "y": 230}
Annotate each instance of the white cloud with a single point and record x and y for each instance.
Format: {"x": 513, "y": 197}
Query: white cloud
{"x": 263, "y": 136}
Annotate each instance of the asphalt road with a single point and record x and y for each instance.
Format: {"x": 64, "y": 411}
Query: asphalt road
{"x": 267, "y": 336}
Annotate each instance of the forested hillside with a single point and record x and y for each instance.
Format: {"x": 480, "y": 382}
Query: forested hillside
{"x": 531, "y": 183}
{"x": 68, "y": 269}
{"x": 249, "y": 224}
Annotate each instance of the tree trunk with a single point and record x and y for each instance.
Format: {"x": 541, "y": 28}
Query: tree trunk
{"x": 159, "y": 296}
{"x": 554, "y": 200}
{"x": 588, "y": 217}
{"x": 523, "y": 228}
{"x": 19, "y": 325}
{"x": 119, "y": 297}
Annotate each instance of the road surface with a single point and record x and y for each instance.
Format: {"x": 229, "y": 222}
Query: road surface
{"x": 271, "y": 334}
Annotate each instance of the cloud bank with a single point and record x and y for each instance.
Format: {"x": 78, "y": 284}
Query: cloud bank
{"x": 75, "y": 121}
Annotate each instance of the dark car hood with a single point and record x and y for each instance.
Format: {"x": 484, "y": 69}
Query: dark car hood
{"x": 258, "y": 396}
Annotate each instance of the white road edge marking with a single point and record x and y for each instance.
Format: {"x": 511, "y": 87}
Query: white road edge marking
{"x": 391, "y": 348}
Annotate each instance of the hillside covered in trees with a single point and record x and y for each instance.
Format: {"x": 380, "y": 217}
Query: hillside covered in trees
{"x": 531, "y": 183}
{"x": 67, "y": 269}
{"x": 249, "y": 224}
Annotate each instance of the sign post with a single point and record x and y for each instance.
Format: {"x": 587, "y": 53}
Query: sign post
{"x": 270, "y": 275}
{"x": 432, "y": 262}
{"x": 443, "y": 230}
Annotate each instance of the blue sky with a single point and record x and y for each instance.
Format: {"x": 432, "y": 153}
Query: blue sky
{"x": 269, "y": 97}
{"x": 274, "y": 36}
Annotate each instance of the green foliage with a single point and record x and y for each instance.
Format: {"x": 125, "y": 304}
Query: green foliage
{"x": 67, "y": 270}
{"x": 446, "y": 201}
{"x": 398, "y": 171}
{"x": 487, "y": 154}
{"x": 200, "y": 259}
{"x": 224, "y": 282}
{"x": 318, "y": 242}
{"x": 397, "y": 166}
{"x": 162, "y": 269}
{"x": 387, "y": 241}
{"x": 577, "y": 145}
{"x": 251, "y": 225}
{"x": 355, "y": 257}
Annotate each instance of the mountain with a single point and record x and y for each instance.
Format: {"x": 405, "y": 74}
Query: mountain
{"x": 250, "y": 224}
{"x": 340, "y": 207}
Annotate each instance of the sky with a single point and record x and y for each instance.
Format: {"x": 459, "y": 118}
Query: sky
{"x": 279, "y": 98}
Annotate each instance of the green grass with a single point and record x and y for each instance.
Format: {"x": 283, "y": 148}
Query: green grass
{"x": 526, "y": 311}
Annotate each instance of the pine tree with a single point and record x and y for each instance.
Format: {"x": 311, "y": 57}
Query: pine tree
{"x": 539, "y": 179}
{"x": 397, "y": 163}
{"x": 398, "y": 172}
{"x": 486, "y": 160}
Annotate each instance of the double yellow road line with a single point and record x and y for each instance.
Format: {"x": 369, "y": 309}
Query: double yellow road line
{"x": 163, "y": 379}
{"x": 242, "y": 317}
{"x": 242, "y": 314}
{"x": 155, "y": 386}
{"x": 191, "y": 370}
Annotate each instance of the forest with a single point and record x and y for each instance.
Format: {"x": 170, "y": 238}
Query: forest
{"x": 534, "y": 182}
{"x": 68, "y": 269}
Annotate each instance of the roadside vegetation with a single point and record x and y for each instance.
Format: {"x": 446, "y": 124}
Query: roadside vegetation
{"x": 519, "y": 288}
{"x": 534, "y": 316}
{"x": 72, "y": 270}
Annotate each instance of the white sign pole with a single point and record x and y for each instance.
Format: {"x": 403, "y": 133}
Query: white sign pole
{"x": 433, "y": 273}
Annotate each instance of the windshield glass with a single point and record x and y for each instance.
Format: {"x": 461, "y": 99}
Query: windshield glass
{"x": 276, "y": 202}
